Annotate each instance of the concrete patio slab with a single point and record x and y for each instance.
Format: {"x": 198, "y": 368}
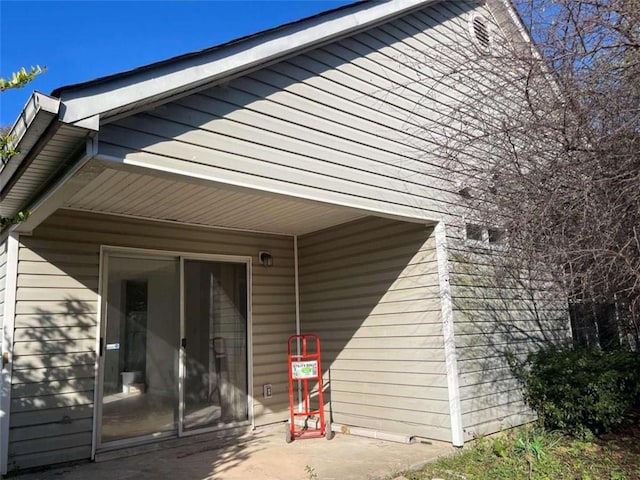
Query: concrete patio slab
{"x": 259, "y": 455}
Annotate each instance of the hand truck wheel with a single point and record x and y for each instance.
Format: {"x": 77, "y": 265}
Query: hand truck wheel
{"x": 328, "y": 433}
{"x": 287, "y": 433}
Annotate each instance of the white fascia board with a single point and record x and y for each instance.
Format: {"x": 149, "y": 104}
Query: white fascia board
{"x": 174, "y": 77}
{"x": 36, "y": 116}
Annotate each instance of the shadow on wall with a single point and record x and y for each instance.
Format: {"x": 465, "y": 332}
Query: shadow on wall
{"x": 52, "y": 382}
{"x": 370, "y": 290}
{"x": 503, "y": 311}
{"x": 53, "y": 378}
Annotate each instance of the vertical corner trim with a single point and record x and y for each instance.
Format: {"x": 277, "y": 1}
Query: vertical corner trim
{"x": 8, "y": 328}
{"x": 455, "y": 410}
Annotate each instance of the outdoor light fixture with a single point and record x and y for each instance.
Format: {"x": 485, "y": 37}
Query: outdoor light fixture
{"x": 265, "y": 258}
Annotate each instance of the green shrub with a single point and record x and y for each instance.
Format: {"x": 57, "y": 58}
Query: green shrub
{"x": 581, "y": 390}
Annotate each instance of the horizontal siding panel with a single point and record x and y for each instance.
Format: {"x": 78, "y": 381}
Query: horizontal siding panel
{"x": 251, "y": 141}
{"x": 19, "y": 462}
{"x": 155, "y": 151}
{"x": 53, "y": 415}
{"x": 386, "y": 401}
{"x": 48, "y": 430}
{"x": 435, "y": 394}
{"x": 269, "y": 418}
{"x": 484, "y": 402}
{"x": 51, "y": 347}
{"x": 416, "y": 379}
{"x": 43, "y": 268}
{"x": 392, "y": 354}
{"x": 46, "y": 281}
{"x": 60, "y": 257}
{"x": 384, "y": 331}
{"x": 490, "y": 385}
{"x": 387, "y": 366}
{"x": 408, "y": 428}
{"x": 42, "y": 445}
{"x": 267, "y": 368}
{"x": 497, "y": 412}
{"x": 44, "y": 402}
{"x": 38, "y": 375}
{"x": 426, "y": 305}
{"x": 391, "y": 293}
{"x": 358, "y": 269}
{"x": 44, "y": 388}
{"x": 68, "y": 306}
{"x": 373, "y": 320}
{"x": 22, "y": 362}
{"x": 49, "y": 320}
{"x": 56, "y": 294}
{"x": 403, "y": 240}
{"x": 389, "y": 277}
{"x": 416, "y": 298}
{"x": 397, "y": 414}
{"x": 433, "y": 342}
{"x": 49, "y": 333}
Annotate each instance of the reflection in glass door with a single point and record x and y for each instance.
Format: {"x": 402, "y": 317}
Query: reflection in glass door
{"x": 141, "y": 340}
{"x": 215, "y": 330}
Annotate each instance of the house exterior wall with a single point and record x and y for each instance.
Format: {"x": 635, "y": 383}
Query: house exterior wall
{"x": 343, "y": 123}
{"x": 498, "y": 314}
{"x": 358, "y": 122}
{"x": 56, "y": 324}
{"x": 370, "y": 290}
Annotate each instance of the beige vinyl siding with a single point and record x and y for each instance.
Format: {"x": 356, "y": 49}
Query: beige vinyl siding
{"x": 344, "y": 123}
{"x": 496, "y": 316}
{"x": 56, "y": 324}
{"x": 370, "y": 290}
{"x": 358, "y": 123}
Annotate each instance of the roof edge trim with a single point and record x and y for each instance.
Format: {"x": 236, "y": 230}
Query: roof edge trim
{"x": 131, "y": 90}
{"x": 36, "y": 116}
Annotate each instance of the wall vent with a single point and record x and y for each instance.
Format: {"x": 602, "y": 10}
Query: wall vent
{"x": 481, "y": 33}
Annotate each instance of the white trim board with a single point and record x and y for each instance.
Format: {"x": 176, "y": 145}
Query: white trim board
{"x": 451, "y": 361}
{"x": 13, "y": 243}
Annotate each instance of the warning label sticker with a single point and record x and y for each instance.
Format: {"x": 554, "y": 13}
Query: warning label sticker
{"x": 302, "y": 370}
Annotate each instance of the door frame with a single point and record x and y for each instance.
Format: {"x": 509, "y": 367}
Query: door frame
{"x": 182, "y": 368}
{"x": 105, "y": 252}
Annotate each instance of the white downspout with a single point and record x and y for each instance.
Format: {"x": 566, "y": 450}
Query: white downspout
{"x": 455, "y": 410}
{"x": 297, "y": 282}
{"x": 297, "y": 293}
{"x": 13, "y": 241}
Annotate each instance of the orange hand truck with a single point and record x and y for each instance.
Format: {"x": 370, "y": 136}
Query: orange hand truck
{"x": 304, "y": 366}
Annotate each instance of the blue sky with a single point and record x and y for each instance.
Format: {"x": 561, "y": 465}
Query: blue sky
{"x": 79, "y": 40}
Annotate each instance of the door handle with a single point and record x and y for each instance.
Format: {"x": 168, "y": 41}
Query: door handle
{"x": 184, "y": 343}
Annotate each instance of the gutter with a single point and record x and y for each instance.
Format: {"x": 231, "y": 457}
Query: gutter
{"x": 37, "y": 115}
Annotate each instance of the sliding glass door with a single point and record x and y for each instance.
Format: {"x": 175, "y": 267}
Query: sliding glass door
{"x": 215, "y": 330}
{"x": 174, "y": 346}
{"x": 140, "y": 347}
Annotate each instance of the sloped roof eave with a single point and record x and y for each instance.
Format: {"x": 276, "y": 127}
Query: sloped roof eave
{"x": 119, "y": 93}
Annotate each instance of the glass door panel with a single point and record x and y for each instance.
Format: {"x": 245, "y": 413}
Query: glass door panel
{"x": 139, "y": 394}
{"x": 215, "y": 328}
